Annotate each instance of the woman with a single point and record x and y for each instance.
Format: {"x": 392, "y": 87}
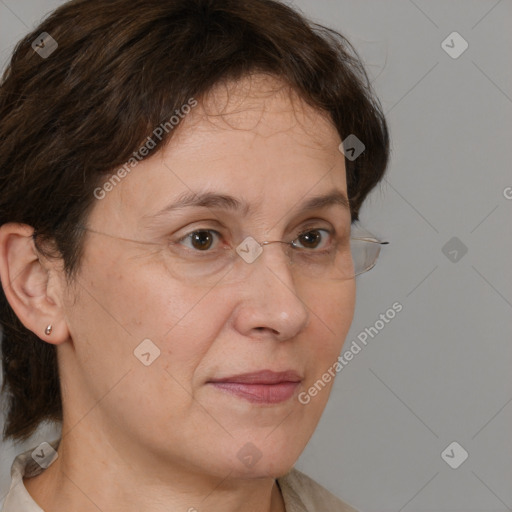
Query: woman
{"x": 181, "y": 182}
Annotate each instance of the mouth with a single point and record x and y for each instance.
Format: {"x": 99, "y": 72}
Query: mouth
{"x": 263, "y": 387}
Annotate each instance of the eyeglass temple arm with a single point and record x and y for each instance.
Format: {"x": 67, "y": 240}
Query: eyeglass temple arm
{"x": 369, "y": 240}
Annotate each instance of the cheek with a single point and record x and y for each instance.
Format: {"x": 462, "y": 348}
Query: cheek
{"x": 119, "y": 307}
{"x": 143, "y": 298}
{"x": 121, "y": 303}
{"x": 331, "y": 313}
{"x": 331, "y": 308}
{"x": 182, "y": 320}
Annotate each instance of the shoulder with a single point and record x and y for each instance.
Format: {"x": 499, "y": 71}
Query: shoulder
{"x": 25, "y": 465}
{"x": 302, "y": 494}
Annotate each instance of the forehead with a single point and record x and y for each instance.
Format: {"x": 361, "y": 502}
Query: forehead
{"x": 258, "y": 107}
{"x": 264, "y": 106}
{"x": 254, "y": 139}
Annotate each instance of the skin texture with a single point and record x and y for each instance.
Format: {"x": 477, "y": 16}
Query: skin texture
{"x": 160, "y": 436}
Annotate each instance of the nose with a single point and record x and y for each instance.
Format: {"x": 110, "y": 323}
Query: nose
{"x": 269, "y": 305}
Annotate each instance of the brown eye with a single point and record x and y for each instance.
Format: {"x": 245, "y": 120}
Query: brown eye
{"x": 201, "y": 240}
{"x": 310, "y": 239}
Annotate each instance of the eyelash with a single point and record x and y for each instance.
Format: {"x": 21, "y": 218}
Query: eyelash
{"x": 309, "y": 229}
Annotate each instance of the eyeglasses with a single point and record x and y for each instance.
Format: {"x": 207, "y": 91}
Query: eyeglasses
{"x": 201, "y": 259}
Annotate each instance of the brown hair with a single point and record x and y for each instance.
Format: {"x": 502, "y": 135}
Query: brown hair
{"x": 121, "y": 68}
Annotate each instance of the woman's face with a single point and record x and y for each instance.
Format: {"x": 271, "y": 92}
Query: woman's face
{"x": 273, "y": 155}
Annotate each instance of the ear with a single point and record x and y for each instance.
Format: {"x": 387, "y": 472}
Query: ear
{"x": 33, "y": 285}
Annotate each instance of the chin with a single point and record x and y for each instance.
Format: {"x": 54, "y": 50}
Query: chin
{"x": 270, "y": 469}
{"x": 270, "y": 460}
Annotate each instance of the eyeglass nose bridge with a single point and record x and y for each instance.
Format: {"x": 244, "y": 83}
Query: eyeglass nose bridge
{"x": 288, "y": 247}
{"x": 268, "y": 242}
{"x": 251, "y": 249}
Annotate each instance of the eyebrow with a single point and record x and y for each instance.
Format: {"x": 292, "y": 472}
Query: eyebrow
{"x": 217, "y": 201}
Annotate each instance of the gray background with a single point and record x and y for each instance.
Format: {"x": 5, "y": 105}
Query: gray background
{"x": 440, "y": 370}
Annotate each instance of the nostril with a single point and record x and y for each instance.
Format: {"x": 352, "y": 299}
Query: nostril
{"x": 274, "y": 331}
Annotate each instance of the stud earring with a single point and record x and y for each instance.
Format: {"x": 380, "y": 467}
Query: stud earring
{"x": 48, "y": 330}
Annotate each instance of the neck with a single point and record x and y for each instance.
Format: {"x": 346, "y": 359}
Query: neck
{"x": 93, "y": 475}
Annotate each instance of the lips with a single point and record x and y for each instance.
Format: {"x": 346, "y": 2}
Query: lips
{"x": 265, "y": 387}
{"x": 262, "y": 377}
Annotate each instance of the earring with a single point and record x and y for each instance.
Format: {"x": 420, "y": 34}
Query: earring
{"x": 48, "y": 330}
